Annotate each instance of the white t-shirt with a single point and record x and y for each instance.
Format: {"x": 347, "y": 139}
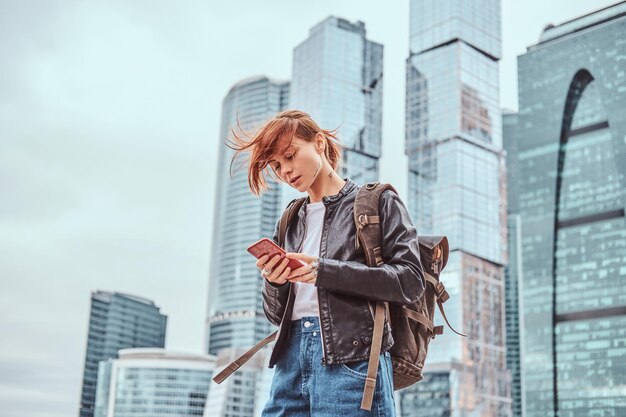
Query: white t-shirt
{"x": 306, "y": 303}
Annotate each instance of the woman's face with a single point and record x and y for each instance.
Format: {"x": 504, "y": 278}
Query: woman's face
{"x": 300, "y": 164}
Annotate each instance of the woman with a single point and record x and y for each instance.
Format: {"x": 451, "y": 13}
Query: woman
{"x": 323, "y": 309}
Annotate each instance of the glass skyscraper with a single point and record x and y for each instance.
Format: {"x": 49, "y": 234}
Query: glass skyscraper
{"x": 235, "y": 310}
{"x": 155, "y": 383}
{"x": 117, "y": 321}
{"x": 235, "y": 317}
{"x": 338, "y": 80}
{"x": 513, "y": 270}
{"x": 571, "y": 159}
{"x": 457, "y": 188}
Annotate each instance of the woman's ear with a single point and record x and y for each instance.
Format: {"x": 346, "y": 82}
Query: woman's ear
{"x": 320, "y": 143}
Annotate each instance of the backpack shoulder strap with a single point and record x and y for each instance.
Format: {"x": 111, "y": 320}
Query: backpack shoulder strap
{"x": 365, "y": 214}
{"x": 285, "y": 220}
{"x": 240, "y": 361}
{"x": 369, "y": 235}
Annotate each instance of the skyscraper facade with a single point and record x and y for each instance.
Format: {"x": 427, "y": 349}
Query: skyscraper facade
{"x": 457, "y": 188}
{"x": 236, "y": 320}
{"x": 117, "y": 321}
{"x": 572, "y": 179}
{"x": 235, "y": 312}
{"x": 338, "y": 80}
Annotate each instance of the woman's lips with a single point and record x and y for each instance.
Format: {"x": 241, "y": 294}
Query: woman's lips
{"x": 295, "y": 180}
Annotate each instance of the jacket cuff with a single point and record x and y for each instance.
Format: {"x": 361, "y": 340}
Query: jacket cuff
{"x": 276, "y": 288}
{"x": 325, "y": 268}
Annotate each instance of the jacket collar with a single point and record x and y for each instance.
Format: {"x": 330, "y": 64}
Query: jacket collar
{"x": 330, "y": 199}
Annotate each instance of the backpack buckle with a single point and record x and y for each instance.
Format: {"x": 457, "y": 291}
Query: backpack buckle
{"x": 363, "y": 220}
{"x": 441, "y": 292}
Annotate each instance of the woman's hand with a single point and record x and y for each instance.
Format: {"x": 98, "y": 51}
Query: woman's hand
{"x": 276, "y": 274}
{"x": 306, "y": 274}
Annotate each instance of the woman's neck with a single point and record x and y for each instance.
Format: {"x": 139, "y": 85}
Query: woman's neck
{"x": 327, "y": 183}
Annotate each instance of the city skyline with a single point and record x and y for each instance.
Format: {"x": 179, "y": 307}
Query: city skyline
{"x": 88, "y": 128}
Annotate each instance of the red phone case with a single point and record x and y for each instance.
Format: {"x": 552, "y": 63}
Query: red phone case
{"x": 265, "y": 246}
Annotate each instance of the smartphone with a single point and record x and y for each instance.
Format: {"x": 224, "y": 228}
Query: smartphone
{"x": 268, "y": 247}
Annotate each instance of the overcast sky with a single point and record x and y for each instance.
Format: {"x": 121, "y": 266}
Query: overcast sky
{"x": 109, "y": 123}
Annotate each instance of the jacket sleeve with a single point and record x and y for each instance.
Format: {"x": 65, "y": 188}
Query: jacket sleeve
{"x": 275, "y": 296}
{"x": 400, "y": 279}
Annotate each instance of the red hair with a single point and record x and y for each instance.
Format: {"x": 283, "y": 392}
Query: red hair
{"x": 274, "y": 138}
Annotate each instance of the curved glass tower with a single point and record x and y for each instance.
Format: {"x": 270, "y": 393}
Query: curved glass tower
{"x": 235, "y": 311}
{"x": 572, "y": 181}
{"x": 235, "y": 319}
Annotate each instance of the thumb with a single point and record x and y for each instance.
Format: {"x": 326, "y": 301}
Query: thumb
{"x": 295, "y": 255}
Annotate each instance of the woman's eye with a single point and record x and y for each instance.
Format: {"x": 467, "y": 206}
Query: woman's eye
{"x": 289, "y": 157}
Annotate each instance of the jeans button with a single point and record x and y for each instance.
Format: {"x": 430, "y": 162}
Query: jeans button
{"x": 307, "y": 324}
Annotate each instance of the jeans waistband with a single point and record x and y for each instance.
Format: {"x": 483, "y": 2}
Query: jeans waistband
{"x": 306, "y": 324}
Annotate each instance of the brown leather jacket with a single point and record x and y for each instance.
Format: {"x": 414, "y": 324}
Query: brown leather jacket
{"x": 345, "y": 284}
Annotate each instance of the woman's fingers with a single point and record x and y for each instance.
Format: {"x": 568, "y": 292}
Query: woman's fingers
{"x": 301, "y": 256}
{"x": 308, "y": 278}
{"x": 306, "y": 273}
{"x": 261, "y": 261}
{"x": 310, "y": 268}
{"x": 278, "y": 269}
{"x": 263, "y": 264}
{"x": 270, "y": 264}
{"x": 300, "y": 271}
{"x": 281, "y": 273}
{"x": 283, "y": 277}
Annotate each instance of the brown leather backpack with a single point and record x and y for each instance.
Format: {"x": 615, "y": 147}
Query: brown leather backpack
{"x": 411, "y": 325}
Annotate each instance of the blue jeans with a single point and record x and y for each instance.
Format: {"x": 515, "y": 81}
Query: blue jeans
{"x": 301, "y": 386}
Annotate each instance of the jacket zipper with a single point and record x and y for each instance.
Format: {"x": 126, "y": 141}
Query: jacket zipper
{"x": 319, "y": 309}
{"x": 321, "y": 327}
